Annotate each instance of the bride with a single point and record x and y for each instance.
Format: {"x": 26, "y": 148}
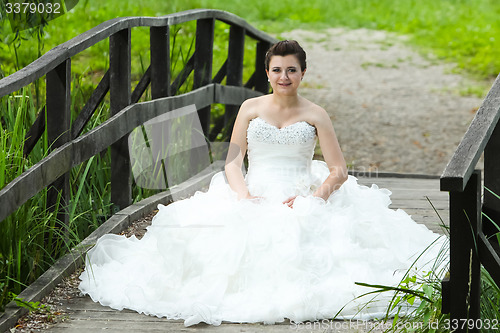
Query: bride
{"x": 288, "y": 240}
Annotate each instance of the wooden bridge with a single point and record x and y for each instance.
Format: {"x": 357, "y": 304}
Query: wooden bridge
{"x": 69, "y": 148}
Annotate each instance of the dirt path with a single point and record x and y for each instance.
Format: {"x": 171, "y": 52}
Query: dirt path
{"x": 393, "y": 110}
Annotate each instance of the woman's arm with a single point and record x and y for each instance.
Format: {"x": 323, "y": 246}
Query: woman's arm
{"x": 331, "y": 153}
{"x": 237, "y": 151}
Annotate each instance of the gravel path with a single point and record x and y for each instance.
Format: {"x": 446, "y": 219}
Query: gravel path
{"x": 393, "y": 110}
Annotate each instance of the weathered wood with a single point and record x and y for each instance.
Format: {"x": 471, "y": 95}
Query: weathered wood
{"x": 58, "y": 114}
{"x": 251, "y": 82}
{"x": 471, "y": 147}
{"x": 261, "y": 83}
{"x": 221, "y": 73}
{"x": 57, "y": 55}
{"x": 233, "y": 95}
{"x": 141, "y": 86}
{"x": 34, "y": 133}
{"x": 80, "y": 149}
{"x": 491, "y": 202}
{"x": 89, "y": 108}
{"x": 203, "y": 64}
{"x": 490, "y": 258}
{"x": 236, "y": 51}
{"x": 465, "y": 272}
{"x": 159, "y": 40}
{"x": 183, "y": 75}
{"x": 119, "y": 96}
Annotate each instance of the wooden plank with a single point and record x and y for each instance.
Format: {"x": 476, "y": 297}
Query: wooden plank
{"x": 489, "y": 257}
{"x": 203, "y": 58}
{"x": 58, "y": 114}
{"x": 491, "y": 202}
{"x": 141, "y": 86}
{"x": 233, "y": 95}
{"x": 465, "y": 272}
{"x": 261, "y": 83}
{"x": 182, "y": 76}
{"x": 159, "y": 41}
{"x": 221, "y": 73}
{"x": 236, "y": 51}
{"x": 34, "y": 133}
{"x": 465, "y": 158}
{"x": 93, "y": 325}
{"x": 119, "y": 98}
{"x": 93, "y": 102}
{"x": 251, "y": 81}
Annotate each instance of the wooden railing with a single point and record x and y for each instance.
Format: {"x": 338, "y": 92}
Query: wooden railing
{"x": 472, "y": 220}
{"x": 69, "y": 148}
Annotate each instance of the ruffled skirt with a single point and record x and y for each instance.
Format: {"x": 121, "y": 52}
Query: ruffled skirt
{"x": 213, "y": 258}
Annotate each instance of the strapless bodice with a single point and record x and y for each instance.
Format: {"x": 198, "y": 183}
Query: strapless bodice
{"x": 279, "y": 159}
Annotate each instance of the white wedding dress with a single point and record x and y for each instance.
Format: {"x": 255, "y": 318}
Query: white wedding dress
{"x": 212, "y": 258}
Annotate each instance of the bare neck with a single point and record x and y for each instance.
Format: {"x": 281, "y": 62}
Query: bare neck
{"x": 285, "y": 102}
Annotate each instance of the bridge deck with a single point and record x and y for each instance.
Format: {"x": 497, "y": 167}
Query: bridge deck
{"x": 83, "y": 315}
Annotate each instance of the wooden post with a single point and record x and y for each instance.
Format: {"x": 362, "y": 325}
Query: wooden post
{"x": 261, "y": 83}
{"x": 491, "y": 205}
{"x": 465, "y": 276}
{"x": 203, "y": 57}
{"x": 119, "y": 95}
{"x": 58, "y": 110}
{"x": 234, "y": 77}
{"x": 159, "y": 41}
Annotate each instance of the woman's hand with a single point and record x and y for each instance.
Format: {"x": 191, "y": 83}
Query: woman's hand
{"x": 289, "y": 202}
{"x": 248, "y": 196}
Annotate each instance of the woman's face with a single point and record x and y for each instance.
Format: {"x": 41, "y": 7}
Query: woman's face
{"x": 284, "y": 74}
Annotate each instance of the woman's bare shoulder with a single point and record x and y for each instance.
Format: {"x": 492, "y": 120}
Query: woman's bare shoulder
{"x": 250, "y": 108}
{"x": 315, "y": 114}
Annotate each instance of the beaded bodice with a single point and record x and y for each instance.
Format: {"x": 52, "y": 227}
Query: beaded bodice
{"x": 279, "y": 157}
{"x": 297, "y": 133}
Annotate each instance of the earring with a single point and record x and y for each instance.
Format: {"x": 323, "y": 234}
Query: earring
{"x": 268, "y": 80}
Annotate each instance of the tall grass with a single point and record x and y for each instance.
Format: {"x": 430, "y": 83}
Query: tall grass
{"x": 31, "y": 238}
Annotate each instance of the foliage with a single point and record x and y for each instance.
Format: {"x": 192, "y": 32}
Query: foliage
{"x": 32, "y": 238}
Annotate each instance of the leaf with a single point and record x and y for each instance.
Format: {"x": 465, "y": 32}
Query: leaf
{"x": 396, "y": 302}
{"x": 383, "y": 288}
{"x": 394, "y": 322}
{"x": 428, "y": 290}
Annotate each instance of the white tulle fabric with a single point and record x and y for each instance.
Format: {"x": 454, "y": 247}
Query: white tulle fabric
{"x": 212, "y": 258}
